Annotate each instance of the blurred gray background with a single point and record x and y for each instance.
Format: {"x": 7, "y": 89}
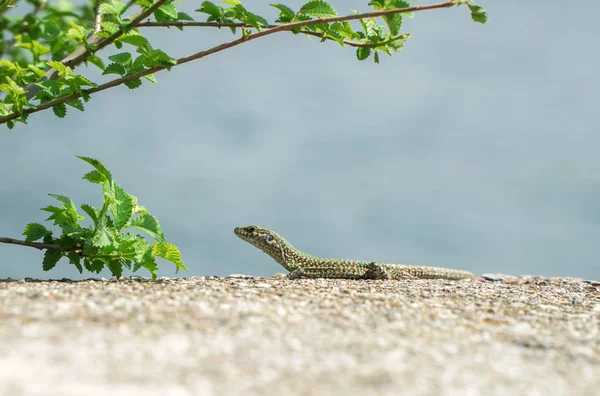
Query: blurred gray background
{"x": 476, "y": 147}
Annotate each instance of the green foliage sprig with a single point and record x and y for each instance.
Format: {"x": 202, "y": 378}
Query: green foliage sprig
{"x": 40, "y": 50}
{"x": 103, "y": 243}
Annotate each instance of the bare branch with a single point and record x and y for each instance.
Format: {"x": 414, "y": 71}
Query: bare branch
{"x": 36, "y": 245}
{"x": 224, "y": 46}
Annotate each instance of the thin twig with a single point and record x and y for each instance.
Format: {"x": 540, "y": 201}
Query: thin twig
{"x": 225, "y": 46}
{"x": 36, "y": 245}
{"x": 97, "y": 16}
{"x": 349, "y": 43}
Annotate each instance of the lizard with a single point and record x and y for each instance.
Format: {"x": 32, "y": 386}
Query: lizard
{"x": 302, "y": 265}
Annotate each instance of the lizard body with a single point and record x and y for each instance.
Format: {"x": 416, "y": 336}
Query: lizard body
{"x": 304, "y": 265}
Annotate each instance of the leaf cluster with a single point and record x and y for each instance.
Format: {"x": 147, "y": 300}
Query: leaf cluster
{"x": 104, "y": 243}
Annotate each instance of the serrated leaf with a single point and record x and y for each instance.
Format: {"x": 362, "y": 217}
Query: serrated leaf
{"x": 51, "y": 257}
{"x": 99, "y": 167}
{"x": 75, "y": 259}
{"x": 151, "y": 78}
{"x": 67, "y": 204}
{"x": 102, "y": 237}
{"x": 149, "y": 262}
{"x": 133, "y": 84}
{"x": 182, "y": 16}
{"x": 363, "y": 53}
{"x": 132, "y": 245}
{"x": 60, "y": 110}
{"x": 95, "y": 177}
{"x": 211, "y": 9}
{"x": 36, "y": 70}
{"x": 123, "y": 207}
{"x": 60, "y": 68}
{"x": 96, "y": 61}
{"x": 286, "y": 14}
{"x": 318, "y": 8}
{"x": 59, "y": 215}
{"x": 136, "y": 40}
{"x": 109, "y": 26}
{"x": 93, "y": 264}
{"x": 123, "y": 58}
{"x": 115, "y": 68}
{"x": 77, "y": 32}
{"x": 92, "y": 212}
{"x": 76, "y": 103}
{"x": 150, "y": 225}
{"x": 478, "y": 14}
{"x": 166, "y": 12}
{"x": 169, "y": 252}
{"x": 35, "y": 231}
{"x": 115, "y": 267}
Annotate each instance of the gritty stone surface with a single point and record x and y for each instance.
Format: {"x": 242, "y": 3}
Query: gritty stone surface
{"x": 261, "y": 336}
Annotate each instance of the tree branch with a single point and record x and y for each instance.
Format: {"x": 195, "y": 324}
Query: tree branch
{"x": 219, "y": 48}
{"x": 349, "y": 43}
{"x": 97, "y": 16}
{"x": 36, "y": 245}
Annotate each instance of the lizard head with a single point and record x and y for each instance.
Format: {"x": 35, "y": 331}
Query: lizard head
{"x": 266, "y": 240}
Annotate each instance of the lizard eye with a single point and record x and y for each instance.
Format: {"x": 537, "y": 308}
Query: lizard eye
{"x": 269, "y": 238}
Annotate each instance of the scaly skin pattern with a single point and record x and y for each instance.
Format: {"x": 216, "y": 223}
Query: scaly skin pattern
{"x": 302, "y": 265}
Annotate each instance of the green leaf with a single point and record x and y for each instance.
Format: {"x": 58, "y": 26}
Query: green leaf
{"x": 148, "y": 262}
{"x": 123, "y": 208}
{"x": 133, "y": 84}
{"x": 115, "y": 68}
{"x": 112, "y": 7}
{"x": 75, "y": 259}
{"x": 69, "y": 205}
{"x": 62, "y": 215}
{"x": 363, "y": 53}
{"x": 211, "y": 9}
{"x": 166, "y": 12}
{"x": 123, "y": 58}
{"x": 93, "y": 264}
{"x": 77, "y": 32}
{"x": 60, "y": 68}
{"x": 286, "y": 14}
{"x": 136, "y": 40}
{"x": 151, "y": 78}
{"x": 318, "y": 8}
{"x": 168, "y": 251}
{"x": 96, "y": 61}
{"x": 150, "y": 225}
{"x": 115, "y": 267}
{"x": 51, "y": 257}
{"x": 35, "y": 231}
{"x": 376, "y": 57}
{"x": 478, "y": 14}
{"x": 92, "y": 212}
{"x": 60, "y": 110}
{"x": 76, "y": 103}
{"x": 103, "y": 237}
{"x": 132, "y": 245}
{"x": 182, "y": 16}
{"x": 99, "y": 167}
{"x": 95, "y": 177}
